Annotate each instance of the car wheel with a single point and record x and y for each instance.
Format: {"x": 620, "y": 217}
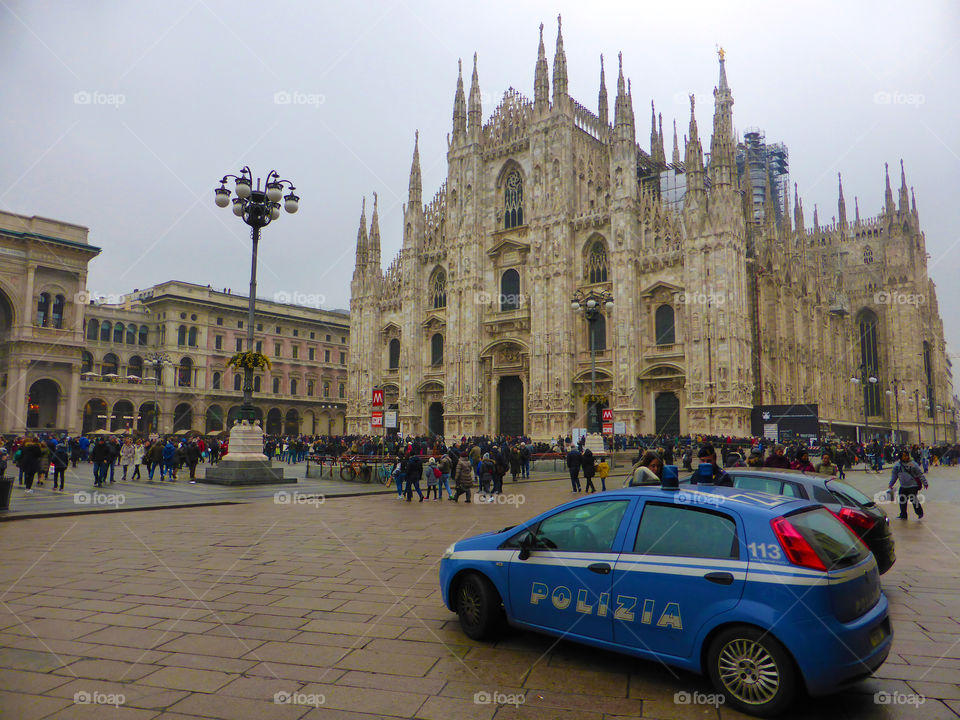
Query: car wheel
{"x": 753, "y": 670}
{"x": 479, "y": 607}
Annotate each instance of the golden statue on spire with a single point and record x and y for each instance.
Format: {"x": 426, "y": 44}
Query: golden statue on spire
{"x": 720, "y": 53}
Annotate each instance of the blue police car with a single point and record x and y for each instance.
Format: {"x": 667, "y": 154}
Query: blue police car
{"x": 767, "y": 595}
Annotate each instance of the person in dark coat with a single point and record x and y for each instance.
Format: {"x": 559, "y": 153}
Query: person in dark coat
{"x": 463, "y": 478}
{"x": 777, "y": 459}
{"x": 30, "y": 453}
{"x": 573, "y": 465}
{"x": 192, "y": 452}
{"x": 60, "y": 461}
{"x": 414, "y": 470}
{"x": 515, "y": 466}
{"x": 589, "y": 468}
{"x": 100, "y": 455}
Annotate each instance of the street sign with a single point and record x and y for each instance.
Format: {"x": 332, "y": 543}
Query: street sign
{"x": 378, "y": 398}
{"x": 608, "y": 428}
{"x": 390, "y": 419}
{"x": 620, "y": 427}
{"x": 376, "y": 419}
{"x": 608, "y": 416}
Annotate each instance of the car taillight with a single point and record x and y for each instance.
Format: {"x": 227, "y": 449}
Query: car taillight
{"x": 855, "y": 520}
{"x": 795, "y": 546}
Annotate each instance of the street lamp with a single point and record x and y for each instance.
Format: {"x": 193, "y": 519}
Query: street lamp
{"x": 867, "y": 380}
{"x": 157, "y": 360}
{"x": 257, "y": 207}
{"x": 589, "y": 303}
{"x": 895, "y": 384}
{"x": 916, "y": 401}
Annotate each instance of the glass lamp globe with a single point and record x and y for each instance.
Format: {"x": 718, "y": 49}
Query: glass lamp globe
{"x": 238, "y": 207}
{"x": 243, "y": 187}
{"x": 291, "y": 203}
{"x": 591, "y": 303}
{"x": 575, "y": 305}
{"x": 274, "y": 210}
{"x": 274, "y": 191}
{"x": 608, "y": 305}
{"x": 221, "y": 196}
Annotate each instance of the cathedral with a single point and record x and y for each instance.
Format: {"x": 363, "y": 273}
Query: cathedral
{"x": 565, "y": 277}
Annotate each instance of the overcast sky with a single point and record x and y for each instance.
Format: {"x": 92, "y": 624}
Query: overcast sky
{"x": 122, "y": 116}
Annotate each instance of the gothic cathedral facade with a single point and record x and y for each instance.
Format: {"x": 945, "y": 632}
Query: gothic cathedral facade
{"x": 704, "y": 311}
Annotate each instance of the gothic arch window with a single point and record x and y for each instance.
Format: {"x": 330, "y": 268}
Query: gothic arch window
{"x": 870, "y": 358}
{"x": 436, "y": 349}
{"x": 216, "y": 381}
{"x": 43, "y": 310}
{"x": 438, "y": 289}
{"x": 598, "y": 333}
{"x": 513, "y": 200}
{"x": 56, "y": 315}
{"x": 394, "y": 354}
{"x": 509, "y": 290}
{"x": 118, "y": 331}
{"x": 596, "y": 270}
{"x": 928, "y": 375}
{"x": 142, "y": 335}
{"x": 665, "y": 322}
{"x": 867, "y": 255}
{"x": 93, "y": 329}
{"x": 105, "y": 329}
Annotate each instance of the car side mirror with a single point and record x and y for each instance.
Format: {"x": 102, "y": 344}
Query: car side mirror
{"x": 525, "y": 544}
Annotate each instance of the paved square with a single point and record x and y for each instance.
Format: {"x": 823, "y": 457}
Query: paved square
{"x": 266, "y": 610}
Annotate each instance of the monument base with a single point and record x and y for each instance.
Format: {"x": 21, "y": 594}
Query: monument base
{"x": 245, "y": 463}
{"x": 594, "y": 443}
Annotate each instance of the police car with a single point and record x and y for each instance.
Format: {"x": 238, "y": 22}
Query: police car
{"x": 767, "y": 595}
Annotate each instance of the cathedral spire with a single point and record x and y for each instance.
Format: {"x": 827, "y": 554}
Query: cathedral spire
{"x": 841, "y": 206}
{"x": 559, "y": 68}
{"x": 373, "y": 248}
{"x": 459, "y": 106}
{"x": 722, "y": 151}
{"x": 816, "y": 221}
{"x": 856, "y": 210}
{"x": 656, "y": 141}
{"x": 904, "y": 198}
{"x": 362, "y": 235}
{"x": 769, "y": 211}
{"x": 785, "y": 227}
{"x": 623, "y": 110}
{"x": 913, "y": 202}
{"x": 797, "y": 210}
{"x": 541, "y": 85}
{"x": 888, "y": 205}
{"x": 603, "y": 107}
{"x": 415, "y": 195}
{"x": 676, "y": 147}
{"x": 694, "y": 154}
{"x": 475, "y": 111}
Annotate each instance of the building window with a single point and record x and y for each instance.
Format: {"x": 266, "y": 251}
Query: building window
{"x": 105, "y": 329}
{"x": 312, "y": 335}
{"x": 509, "y": 290}
{"x": 438, "y": 290}
{"x": 256, "y": 383}
{"x": 293, "y": 386}
{"x": 216, "y": 381}
{"x": 326, "y": 356}
{"x": 219, "y": 321}
{"x": 311, "y": 386}
{"x": 237, "y": 382}
{"x": 436, "y": 349}
{"x": 870, "y": 359}
{"x": 343, "y": 340}
{"x": 86, "y": 363}
{"x": 867, "y": 255}
{"x": 259, "y": 327}
{"x": 218, "y": 342}
{"x": 295, "y": 351}
{"x": 343, "y": 358}
{"x": 142, "y": 335}
{"x": 239, "y": 344}
{"x": 597, "y": 264}
{"x": 135, "y": 367}
{"x": 326, "y": 389}
{"x": 240, "y": 324}
{"x": 93, "y": 329}
{"x": 279, "y": 330}
{"x": 185, "y": 373}
{"x": 296, "y": 333}
{"x": 394, "y": 354}
{"x": 311, "y": 353}
{"x": 43, "y": 310}
{"x": 192, "y": 337}
{"x": 513, "y": 201}
{"x": 259, "y": 346}
{"x": 183, "y": 316}
{"x": 110, "y": 365}
{"x": 665, "y": 326}
{"x": 276, "y": 386}
{"x": 182, "y": 335}
{"x": 598, "y": 333}
{"x": 131, "y": 334}
{"x": 328, "y": 338}
{"x": 56, "y": 315}
{"x": 276, "y": 349}
{"x": 118, "y": 330}
{"x": 343, "y": 390}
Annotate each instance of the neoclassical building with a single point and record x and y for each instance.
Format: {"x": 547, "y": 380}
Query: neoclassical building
{"x": 716, "y": 308}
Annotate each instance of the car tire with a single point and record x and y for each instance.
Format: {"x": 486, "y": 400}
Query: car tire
{"x": 753, "y": 671}
{"x": 479, "y": 608}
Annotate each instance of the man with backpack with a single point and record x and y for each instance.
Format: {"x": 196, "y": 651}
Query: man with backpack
{"x": 910, "y": 477}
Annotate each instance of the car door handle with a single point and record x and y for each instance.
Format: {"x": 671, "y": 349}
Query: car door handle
{"x": 721, "y": 578}
{"x": 599, "y": 568}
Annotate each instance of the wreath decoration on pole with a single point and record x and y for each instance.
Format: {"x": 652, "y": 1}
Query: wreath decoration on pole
{"x": 249, "y": 360}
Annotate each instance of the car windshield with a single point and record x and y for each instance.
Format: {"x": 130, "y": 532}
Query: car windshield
{"x": 830, "y": 538}
{"x": 850, "y": 491}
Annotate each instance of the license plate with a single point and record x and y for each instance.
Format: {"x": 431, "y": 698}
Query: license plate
{"x": 877, "y": 636}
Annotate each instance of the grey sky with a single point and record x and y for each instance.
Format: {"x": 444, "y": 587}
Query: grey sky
{"x": 198, "y": 81}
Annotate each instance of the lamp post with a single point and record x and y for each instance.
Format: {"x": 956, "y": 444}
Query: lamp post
{"x": 589, "y": 303}
{"x": 157, "y": 360}
{"x": 867, "y": 380}
{"x": 916, "y": 401}
{"x": 895, "y": 384}
{"x": 258, "y": 208}
{"x": 936, "y": 411}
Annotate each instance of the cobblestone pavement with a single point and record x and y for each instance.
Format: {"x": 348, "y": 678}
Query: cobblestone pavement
{"x": 264, "y": 610}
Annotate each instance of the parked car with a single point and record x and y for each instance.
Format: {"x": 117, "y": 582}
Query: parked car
{"x": 859, "y": 512}
{"x": 767, "y": 595}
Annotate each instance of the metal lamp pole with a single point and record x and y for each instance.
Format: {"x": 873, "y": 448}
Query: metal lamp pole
{"x": 866, "y": 379}
{"x": 157, "y": 360}
{"x": 895, "y": 384}
{"x": 589, "y": 304}
{"x": 916, "y": 400}
{"x": 257, "y": 207}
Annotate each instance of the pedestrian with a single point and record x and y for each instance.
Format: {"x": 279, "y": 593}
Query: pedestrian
{"x": 603, "y": 469}
{"x": 192, "y": 454}
{"x": 708, "y": 455}
{"x": 100, "y": 456}
{"x": 910, "y": 477}
{"x": 589, "y": 468}
{"x": 414, "y": 472}
{"x": 463, "y": 478}
{"x": 154, "y": 455}
{"x": 432, "y": 474}
{"x": 29, "y": 461}
{"x": 573, "y": 465}
{"x": 137, "y": 459}
{"x": 826, "y": 466}
{"x": 524, "y": 460}
{"x": 802, "y": 462}
{"x": 648, "y": 471}
{"x": 127, "y": 454}
{"x": 169, "y": 465}
{"x": 443, "y": 482}
{"x": 60, "y": 461}
{"x": 486, "y": 473}
{"x": 515, "y": 462}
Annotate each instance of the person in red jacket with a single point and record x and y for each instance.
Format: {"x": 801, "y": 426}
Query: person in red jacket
{"x": 777, "y": 459}
{"x": 802, "y": 462}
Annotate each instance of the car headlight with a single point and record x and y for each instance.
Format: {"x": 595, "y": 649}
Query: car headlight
{"x": 448, "y": 552}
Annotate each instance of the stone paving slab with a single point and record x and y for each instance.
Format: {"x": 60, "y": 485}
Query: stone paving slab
{"x": 267, "y": 610}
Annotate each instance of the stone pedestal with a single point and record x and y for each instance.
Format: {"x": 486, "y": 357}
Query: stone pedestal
{"x": 245, "y": 463}
{"x": 594, "y": 443}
